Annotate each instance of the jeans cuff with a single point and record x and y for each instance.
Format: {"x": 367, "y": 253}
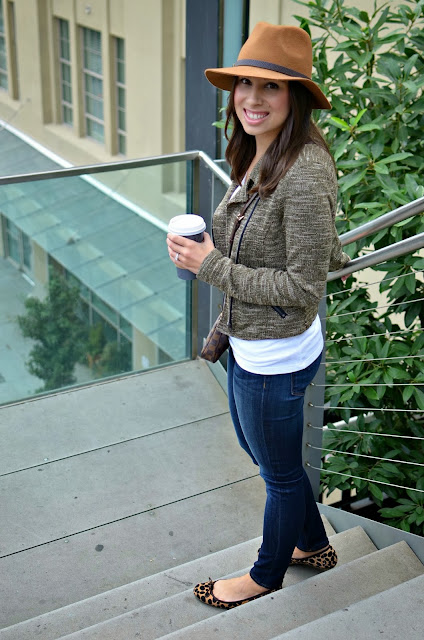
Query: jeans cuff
{"x": 316, "y": 547}
{"x": 265, "y": 586}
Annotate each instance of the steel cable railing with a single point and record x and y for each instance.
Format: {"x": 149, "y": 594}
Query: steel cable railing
{"x": 346, "y": 475}
{"x": 377, "y": 282}
{"x": 364, "y": 455}
{"x": 359, "y": 456}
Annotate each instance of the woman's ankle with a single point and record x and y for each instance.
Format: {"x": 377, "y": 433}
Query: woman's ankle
{"x": 299, "y": 553}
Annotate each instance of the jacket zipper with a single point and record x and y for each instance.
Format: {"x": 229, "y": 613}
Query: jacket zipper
{"x": 230, "y": 319}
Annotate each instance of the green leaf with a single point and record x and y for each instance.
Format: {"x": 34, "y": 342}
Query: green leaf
{"x": 407, "y": 393}
{"x": 354, "y": 178}
{"x": 376, "y": 491}
{"x": 419, "y": 397}
{"x": 354, "y": 121}
{"x": 396, "y": 512}
{"x": 370, "y": 126}
{"x": 395, "y": 157}
{"x": 341, "y": 124}
{"x": 398, "y": 373}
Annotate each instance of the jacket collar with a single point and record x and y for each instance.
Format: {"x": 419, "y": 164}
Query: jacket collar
{"x": 243, "y": 194}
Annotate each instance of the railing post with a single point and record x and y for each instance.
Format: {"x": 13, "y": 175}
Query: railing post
{"x": 200, "y": 291}
{"x": 314, "y": 417}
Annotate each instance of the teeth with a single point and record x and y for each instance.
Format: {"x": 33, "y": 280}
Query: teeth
{"x": 255, "y": 116}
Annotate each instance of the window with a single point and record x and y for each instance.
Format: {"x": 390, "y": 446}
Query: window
{"x": 93, "y": 84}
{"x": 116, "y": 327}
{"x": 120, "y": 95}
{"x": 3, "y": 57}
{"x": 18, "y": 245}
{"x": 65, "y": 72}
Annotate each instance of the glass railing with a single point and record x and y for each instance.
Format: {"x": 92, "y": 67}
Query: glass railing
{"x": 86, "y": 285}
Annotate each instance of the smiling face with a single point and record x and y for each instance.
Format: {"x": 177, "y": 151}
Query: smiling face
{"x": 262, "y": 107}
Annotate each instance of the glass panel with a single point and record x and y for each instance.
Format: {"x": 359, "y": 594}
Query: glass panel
{"x": 120, "y": 49}
{"x": 94, "y": 86}
{"x": 26, "y": 245}
{"x": 65, "y": 51}
{"x": 106, "y": 238}
{"x": 121, "y": 97}
{"x": 120, "y": 72}
{"x": 92, "y": 51}
{"x": 126, "y": 327}
{"x": 121, "y": 120}
{"x": 66, "y": 93}
{"x": 67, "y": 115}
{"x": 3, "y": 58}
{"x": 122, "y": 144}
{"x": 105, "y": 309}
{"x": 64, "y": 45}
{"x": 94, "y": 107}
{"x": 95, "y": 130}
{"x": 13, "y": 241}
{"x": 64, "y": 29}
{"x": 66, "y": 72}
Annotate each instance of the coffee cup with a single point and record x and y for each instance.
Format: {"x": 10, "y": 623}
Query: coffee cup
{"x": 188, "y": 226}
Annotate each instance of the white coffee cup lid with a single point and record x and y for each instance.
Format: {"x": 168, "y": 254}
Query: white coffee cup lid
{"x": 186, "y": 225}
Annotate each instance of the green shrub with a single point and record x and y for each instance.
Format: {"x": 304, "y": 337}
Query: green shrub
{"x": 375, "y": 82}
{"x": 60, "y": 336}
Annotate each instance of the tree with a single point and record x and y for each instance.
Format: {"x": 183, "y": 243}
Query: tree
{"x": 375, "y": 132}
{"x": 59, "y": 333}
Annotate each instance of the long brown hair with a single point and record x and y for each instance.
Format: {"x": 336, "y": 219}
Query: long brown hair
{"x": 298, "y": 129}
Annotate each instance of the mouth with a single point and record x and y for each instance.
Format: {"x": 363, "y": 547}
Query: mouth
{"x": 254, "y": 116}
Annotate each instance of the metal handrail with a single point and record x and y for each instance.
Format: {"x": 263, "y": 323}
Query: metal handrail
{"x": 409, "y": 245}
{"x": 120, "y": 165}
{"x": 386, "y": 220}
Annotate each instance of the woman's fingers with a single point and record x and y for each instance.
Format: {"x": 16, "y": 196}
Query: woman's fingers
{"x": 186, "y": 253}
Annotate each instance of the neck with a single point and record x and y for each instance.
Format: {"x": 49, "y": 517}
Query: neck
{"x": 262, "y": 144}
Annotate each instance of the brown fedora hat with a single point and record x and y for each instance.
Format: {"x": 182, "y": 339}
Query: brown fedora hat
{"x": 273, "y": 52}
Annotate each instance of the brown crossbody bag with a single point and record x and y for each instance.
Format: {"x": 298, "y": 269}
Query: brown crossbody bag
{"x": 217, "y": 342}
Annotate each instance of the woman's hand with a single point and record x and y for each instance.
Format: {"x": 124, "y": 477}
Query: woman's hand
{"x": 188, "y": 254}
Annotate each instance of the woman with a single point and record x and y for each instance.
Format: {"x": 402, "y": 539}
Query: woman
{"x": 273, "y": 281}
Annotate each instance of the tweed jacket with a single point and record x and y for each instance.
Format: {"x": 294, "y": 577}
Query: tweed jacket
{"x": 282, "y": 251}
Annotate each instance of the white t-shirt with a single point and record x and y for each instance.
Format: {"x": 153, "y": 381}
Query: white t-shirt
{"x": 283, "y": 355}
{"x": 279, "y": 355}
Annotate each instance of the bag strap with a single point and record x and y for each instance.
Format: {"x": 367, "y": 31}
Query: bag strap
{"x": 239, "y": 219}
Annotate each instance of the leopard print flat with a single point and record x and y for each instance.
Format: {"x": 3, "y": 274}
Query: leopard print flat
{"x": 322, "y": 560}
{"x": 204, "y": 591}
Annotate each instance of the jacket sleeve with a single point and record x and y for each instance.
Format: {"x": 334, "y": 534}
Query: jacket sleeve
{"x": 311, "y": 242}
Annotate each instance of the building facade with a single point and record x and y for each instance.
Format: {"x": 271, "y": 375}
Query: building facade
{"x": 94, "y": 80}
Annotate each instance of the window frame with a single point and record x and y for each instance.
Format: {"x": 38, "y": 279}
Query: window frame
{"x": 121, "y": 134}
{"x": 90, "y": 118}
{"x": 4, "y": 70}
{"x": 65, "y": 104}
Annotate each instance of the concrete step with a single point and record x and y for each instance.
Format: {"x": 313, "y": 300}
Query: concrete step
{"x": 182, "y": 609}
{"x": 396, "y": 613}
{"x": 116, "y": 602}
{"x": 301, "y": 603}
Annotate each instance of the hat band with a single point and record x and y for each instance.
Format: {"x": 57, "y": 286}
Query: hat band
{"x": 270, "y": 66}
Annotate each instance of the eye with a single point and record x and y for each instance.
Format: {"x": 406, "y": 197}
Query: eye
{"x": 244, "y": 81}
{"x": 272, "y": 85}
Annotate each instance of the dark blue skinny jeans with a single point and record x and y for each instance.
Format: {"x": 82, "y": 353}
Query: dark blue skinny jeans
{"x": 267, "y": 412}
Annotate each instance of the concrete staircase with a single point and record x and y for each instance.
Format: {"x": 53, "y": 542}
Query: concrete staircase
{"x": 371, "y": 592}
{"x": 54, "y": 582}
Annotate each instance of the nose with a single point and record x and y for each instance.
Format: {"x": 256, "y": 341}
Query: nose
{"x": 255, "y": 95}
